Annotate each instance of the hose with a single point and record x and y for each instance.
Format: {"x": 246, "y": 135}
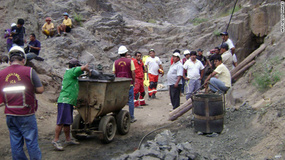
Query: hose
{"x": 152, "y": 132}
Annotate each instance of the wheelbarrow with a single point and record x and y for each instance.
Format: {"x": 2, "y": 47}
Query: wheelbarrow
{"x": 100, "y": 104}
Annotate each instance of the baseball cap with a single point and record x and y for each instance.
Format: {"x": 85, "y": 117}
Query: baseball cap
{"x": 13, "y": 24}
{"x": 74, "y": 61}
{"x": 224, "y": 33}
{"x": 225, "y": 46}
{"x": 176, "y": 54}
{"x": 151, "y": 50}
{"x": 199, "y": 50}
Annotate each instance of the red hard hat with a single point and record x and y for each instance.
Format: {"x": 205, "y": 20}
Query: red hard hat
{"x": 48, "y": 19}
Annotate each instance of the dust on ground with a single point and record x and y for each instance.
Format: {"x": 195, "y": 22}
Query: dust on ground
{"x": 242, "y": 137}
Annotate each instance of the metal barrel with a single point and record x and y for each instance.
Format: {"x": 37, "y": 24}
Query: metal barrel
{"x": 208, "y": 113}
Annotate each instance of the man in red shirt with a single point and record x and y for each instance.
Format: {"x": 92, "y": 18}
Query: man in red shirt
{"x": 139, "y": 92}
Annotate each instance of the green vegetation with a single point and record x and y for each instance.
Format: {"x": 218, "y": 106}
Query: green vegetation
{"x": 265, "y": 75}
{"x": 151, "y": 21}
{"x": 197, "y": 21}
{"x": 216, "y": 33}
{"x": 229, "y": 12}
{"x": 78, "y": 18}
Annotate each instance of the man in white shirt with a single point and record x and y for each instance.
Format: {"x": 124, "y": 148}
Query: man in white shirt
{"x": 174, "y": 82}
{"x": 225, "y": 37}
{"x": 154, "y": 68}
{"x": 193, "y": 67}
{"x": 220, "y": 79}
{"x": 227, "y": 56}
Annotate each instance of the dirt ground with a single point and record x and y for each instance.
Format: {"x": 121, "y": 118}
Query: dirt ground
{"x": 244, "y": 136}
{"x": 150, "y": 117}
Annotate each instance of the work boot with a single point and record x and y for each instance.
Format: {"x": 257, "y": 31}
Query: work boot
{"x": 153, "y": 96}
{"x": 133, "y": 120}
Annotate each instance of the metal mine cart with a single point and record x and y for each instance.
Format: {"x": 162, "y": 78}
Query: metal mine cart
{"x": 100, "y": 104}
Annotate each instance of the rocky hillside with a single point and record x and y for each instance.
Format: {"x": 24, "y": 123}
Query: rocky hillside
{"x": 101, "y": 26}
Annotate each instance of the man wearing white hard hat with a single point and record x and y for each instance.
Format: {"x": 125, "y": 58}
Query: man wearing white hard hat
{"x": 18, "y": 85}
{"x": 174, "y": 76}
{"x": 124, "y": 67}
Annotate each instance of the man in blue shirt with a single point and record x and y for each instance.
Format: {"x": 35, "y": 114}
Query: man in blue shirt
{"x": 34, "y": 47}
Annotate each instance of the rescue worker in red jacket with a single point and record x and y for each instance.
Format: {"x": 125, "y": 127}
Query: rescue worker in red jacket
{"x": 18, "y": 85}
{"x": 139, "y": 92}
{"x": 124, "y": 67}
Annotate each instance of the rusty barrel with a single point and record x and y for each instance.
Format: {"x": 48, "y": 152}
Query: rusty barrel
{"x": 208, "y": 112}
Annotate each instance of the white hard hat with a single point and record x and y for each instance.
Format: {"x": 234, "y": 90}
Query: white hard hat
{"x": 176, "y": 54}
{"x": 17, "y": 50}
{"x": 186, "y": 52}
{"x": 122, "y": 50}
{"x": 13, "y": 24}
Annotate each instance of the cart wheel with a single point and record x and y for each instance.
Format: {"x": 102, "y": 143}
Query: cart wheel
{"x": 109, "y": 127}
{"x": 78, "y": 123}
{"x": 123, "y": 122}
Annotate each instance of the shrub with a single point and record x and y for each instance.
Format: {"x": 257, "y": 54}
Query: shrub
{"x": 216, "y": 33}
{"x": 78, "y": 18}
{"x": 151, "y": 21}
{"x": 197, "y": 21}
{"x": 265, "y": 75}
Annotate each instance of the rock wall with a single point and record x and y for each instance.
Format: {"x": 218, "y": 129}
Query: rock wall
{"x": 140, "y": 25}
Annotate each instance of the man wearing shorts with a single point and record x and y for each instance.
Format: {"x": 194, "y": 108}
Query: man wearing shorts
{"x": 65, "y": 26}
{"x": 67, "y": 99}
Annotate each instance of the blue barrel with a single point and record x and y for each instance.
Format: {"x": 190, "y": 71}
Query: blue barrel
{"x": 208, "y": 110}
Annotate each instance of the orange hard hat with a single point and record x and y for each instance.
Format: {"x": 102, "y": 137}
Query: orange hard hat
{"x": 48, "y": 19}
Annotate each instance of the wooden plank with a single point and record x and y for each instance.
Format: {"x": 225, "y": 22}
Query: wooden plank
{"x": 248, "y": 59}
{"x": 243, "y": 69}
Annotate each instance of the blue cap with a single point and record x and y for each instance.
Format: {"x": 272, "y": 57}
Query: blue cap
{"x": 65, "y": 14}
{"x": 224, "y": 33}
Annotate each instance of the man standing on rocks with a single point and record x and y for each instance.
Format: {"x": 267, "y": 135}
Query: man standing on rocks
{"x": 18, "y": 33}
{"x": 174, "y": 82}
{"x": 18, "y": 85}
{"x": 227, "y": 56}
{"x": 193, "y": 67}
{"x": 154, "y": 68}
{"x": 225, "y": 37}
{"x": 220, "y": 79}
{"x": 139, "y": 92}
{"x": 124, "y": 67}
{"x": 66, "y": 100}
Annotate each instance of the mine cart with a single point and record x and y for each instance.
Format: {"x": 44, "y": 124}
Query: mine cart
{"x": 100, "y": 104}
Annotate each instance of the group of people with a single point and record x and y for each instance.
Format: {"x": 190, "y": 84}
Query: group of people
{"x": 20, "y": 83}
{"x": 16, "y": 35}
{"x": 196, "y": 71}
{"x": 49, "y": 30}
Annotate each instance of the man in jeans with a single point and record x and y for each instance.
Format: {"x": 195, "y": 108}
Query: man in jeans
{"x": 124, "y": 67}
{"x": 34, "y": 47}
{"x": 174, "y": 77}
{"x": 220, "y": 79}
{"x": 18, "y": 85}
{"x": 193, "y": 67}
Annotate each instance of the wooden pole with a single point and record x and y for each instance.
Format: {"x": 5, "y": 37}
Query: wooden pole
{"x": 244, "y": 68}
{"x": 179, "y": 111}
{"x": 248, "y": 59}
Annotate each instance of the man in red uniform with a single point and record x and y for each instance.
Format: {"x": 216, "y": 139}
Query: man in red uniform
{"x": 154, "y": 67}
{"x": 18, "y": 85}
{"x": 139, "y": 92}
{"x": 124, "y": 67}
